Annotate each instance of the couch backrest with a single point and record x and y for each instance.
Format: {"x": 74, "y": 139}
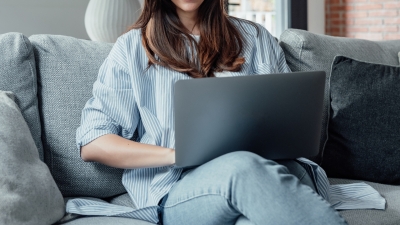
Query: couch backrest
{"x": 18, "y": 74}
{"x": 306, "y": 51}
{"x": 67, "y": 68}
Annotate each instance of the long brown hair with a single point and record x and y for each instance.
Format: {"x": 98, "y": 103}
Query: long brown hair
{"x": 165, "y": 39}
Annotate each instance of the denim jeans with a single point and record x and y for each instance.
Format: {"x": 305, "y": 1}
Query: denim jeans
{"x": 242, "y": 188}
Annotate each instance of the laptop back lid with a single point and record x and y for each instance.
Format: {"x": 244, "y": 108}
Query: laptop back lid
{"x": 277, "y": 116}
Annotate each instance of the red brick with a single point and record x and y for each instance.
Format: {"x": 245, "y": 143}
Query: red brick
{"x": 349, "y": 7}
{"x": 337, "y": 22}
{"x": 335, "y": 1}
{"x": 392, "y": 5}
{"x": 368, "y": 22}
{"x": 368, "y": 6}
{"x": 356, "y": 29}
{"x": 366, "y": 19}
{"x": 349, "y": 22}
{"x": 335, "y": 30}
{"x": 335, "y": 15}
{"x": 354, "y": 1}
{"x": 383, "y": 13}
{"x": 355, "y": 14}
{"x": 336, "y": 8}
{"x": 392, "y": 21}
{"x": 381, "y": 29}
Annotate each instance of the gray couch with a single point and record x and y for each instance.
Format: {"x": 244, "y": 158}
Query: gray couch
{"x": 52, "y": 78}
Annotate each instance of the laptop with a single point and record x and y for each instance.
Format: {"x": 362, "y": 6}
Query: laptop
{"x": 277, "y": 116}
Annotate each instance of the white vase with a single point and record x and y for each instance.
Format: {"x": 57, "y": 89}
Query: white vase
{"x": 106, "y": 20}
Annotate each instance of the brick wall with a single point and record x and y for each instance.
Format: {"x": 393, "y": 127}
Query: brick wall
{"x": 365, "y": 19}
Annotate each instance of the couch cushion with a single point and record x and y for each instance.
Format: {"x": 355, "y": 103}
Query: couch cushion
{"x": 390, "y": 216}
{"x": 364, "y": 122}
{"x": 67, "y": 69}
{"x": 306, "y": 51}
{"x": 124, "y": 200}
{"x": 107, "y": 221}
{"x": 28, "y": 193}
{"x": 18, "y": 75}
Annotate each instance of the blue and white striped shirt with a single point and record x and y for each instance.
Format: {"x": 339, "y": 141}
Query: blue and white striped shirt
{"x": 128, "y": 97}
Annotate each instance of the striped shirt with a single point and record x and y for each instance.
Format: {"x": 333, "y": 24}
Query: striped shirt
{"x": 128, "y": 97}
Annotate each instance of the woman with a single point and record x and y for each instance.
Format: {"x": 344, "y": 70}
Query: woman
{"x": 175, "y": 40}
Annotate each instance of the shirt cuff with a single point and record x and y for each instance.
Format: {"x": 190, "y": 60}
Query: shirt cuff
{"x": 93, "y": 134}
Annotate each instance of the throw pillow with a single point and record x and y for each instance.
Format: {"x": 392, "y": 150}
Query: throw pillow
{"x": 18, "y": 75}
{"x": 307, "y": 51}
{"x": 364, "y": 122}
{"x": 67, "y": 67}
{"x": 28, "y": 193}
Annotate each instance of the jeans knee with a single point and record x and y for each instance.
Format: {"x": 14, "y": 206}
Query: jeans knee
{"x": 242, "y": 162}
{"x": 240, "y": 158}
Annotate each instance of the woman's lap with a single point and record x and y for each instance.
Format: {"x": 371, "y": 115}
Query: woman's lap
{"x": 242, "y": 185}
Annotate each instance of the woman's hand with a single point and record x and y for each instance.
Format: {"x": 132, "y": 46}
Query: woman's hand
{"x": 113, "y": 150}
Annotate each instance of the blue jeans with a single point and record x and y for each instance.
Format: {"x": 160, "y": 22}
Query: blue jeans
{"x": 242, "y": 188}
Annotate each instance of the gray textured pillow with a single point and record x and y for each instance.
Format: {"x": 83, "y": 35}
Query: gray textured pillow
{"x": 363, "y": 131}
{"x": 28, "y": 193}
{"x": 67, "y": 68}
{"x": 18, "y": 75}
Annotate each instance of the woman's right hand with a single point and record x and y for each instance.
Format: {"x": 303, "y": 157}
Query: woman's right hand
{"x": 113, "y": 150}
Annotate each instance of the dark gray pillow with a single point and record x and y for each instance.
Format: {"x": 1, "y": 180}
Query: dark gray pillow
{"x": 28, "y": 193}
{"x": 363, "y": 130}
{"x": 306, "y": 51}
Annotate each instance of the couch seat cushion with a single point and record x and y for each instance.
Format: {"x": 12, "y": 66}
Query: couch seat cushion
{"x": 390, "y": 216}
{"x": 101, "y": 220}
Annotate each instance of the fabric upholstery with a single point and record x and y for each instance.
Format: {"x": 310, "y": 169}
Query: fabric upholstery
{"x": 107, "y": 221}
{"x": 124, "y": 200}
{"x": 306, "y": 51}
{"x": 28, "y": 193}
{"x": 364, "y": 123}
{"x": 18, "y": 75}
{"x": 67, "y": 68}
{"x": 390, "y": 216}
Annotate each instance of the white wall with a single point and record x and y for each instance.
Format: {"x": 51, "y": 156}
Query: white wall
{"x": 316, "y": 16}
{"x": 64, "y": 17}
